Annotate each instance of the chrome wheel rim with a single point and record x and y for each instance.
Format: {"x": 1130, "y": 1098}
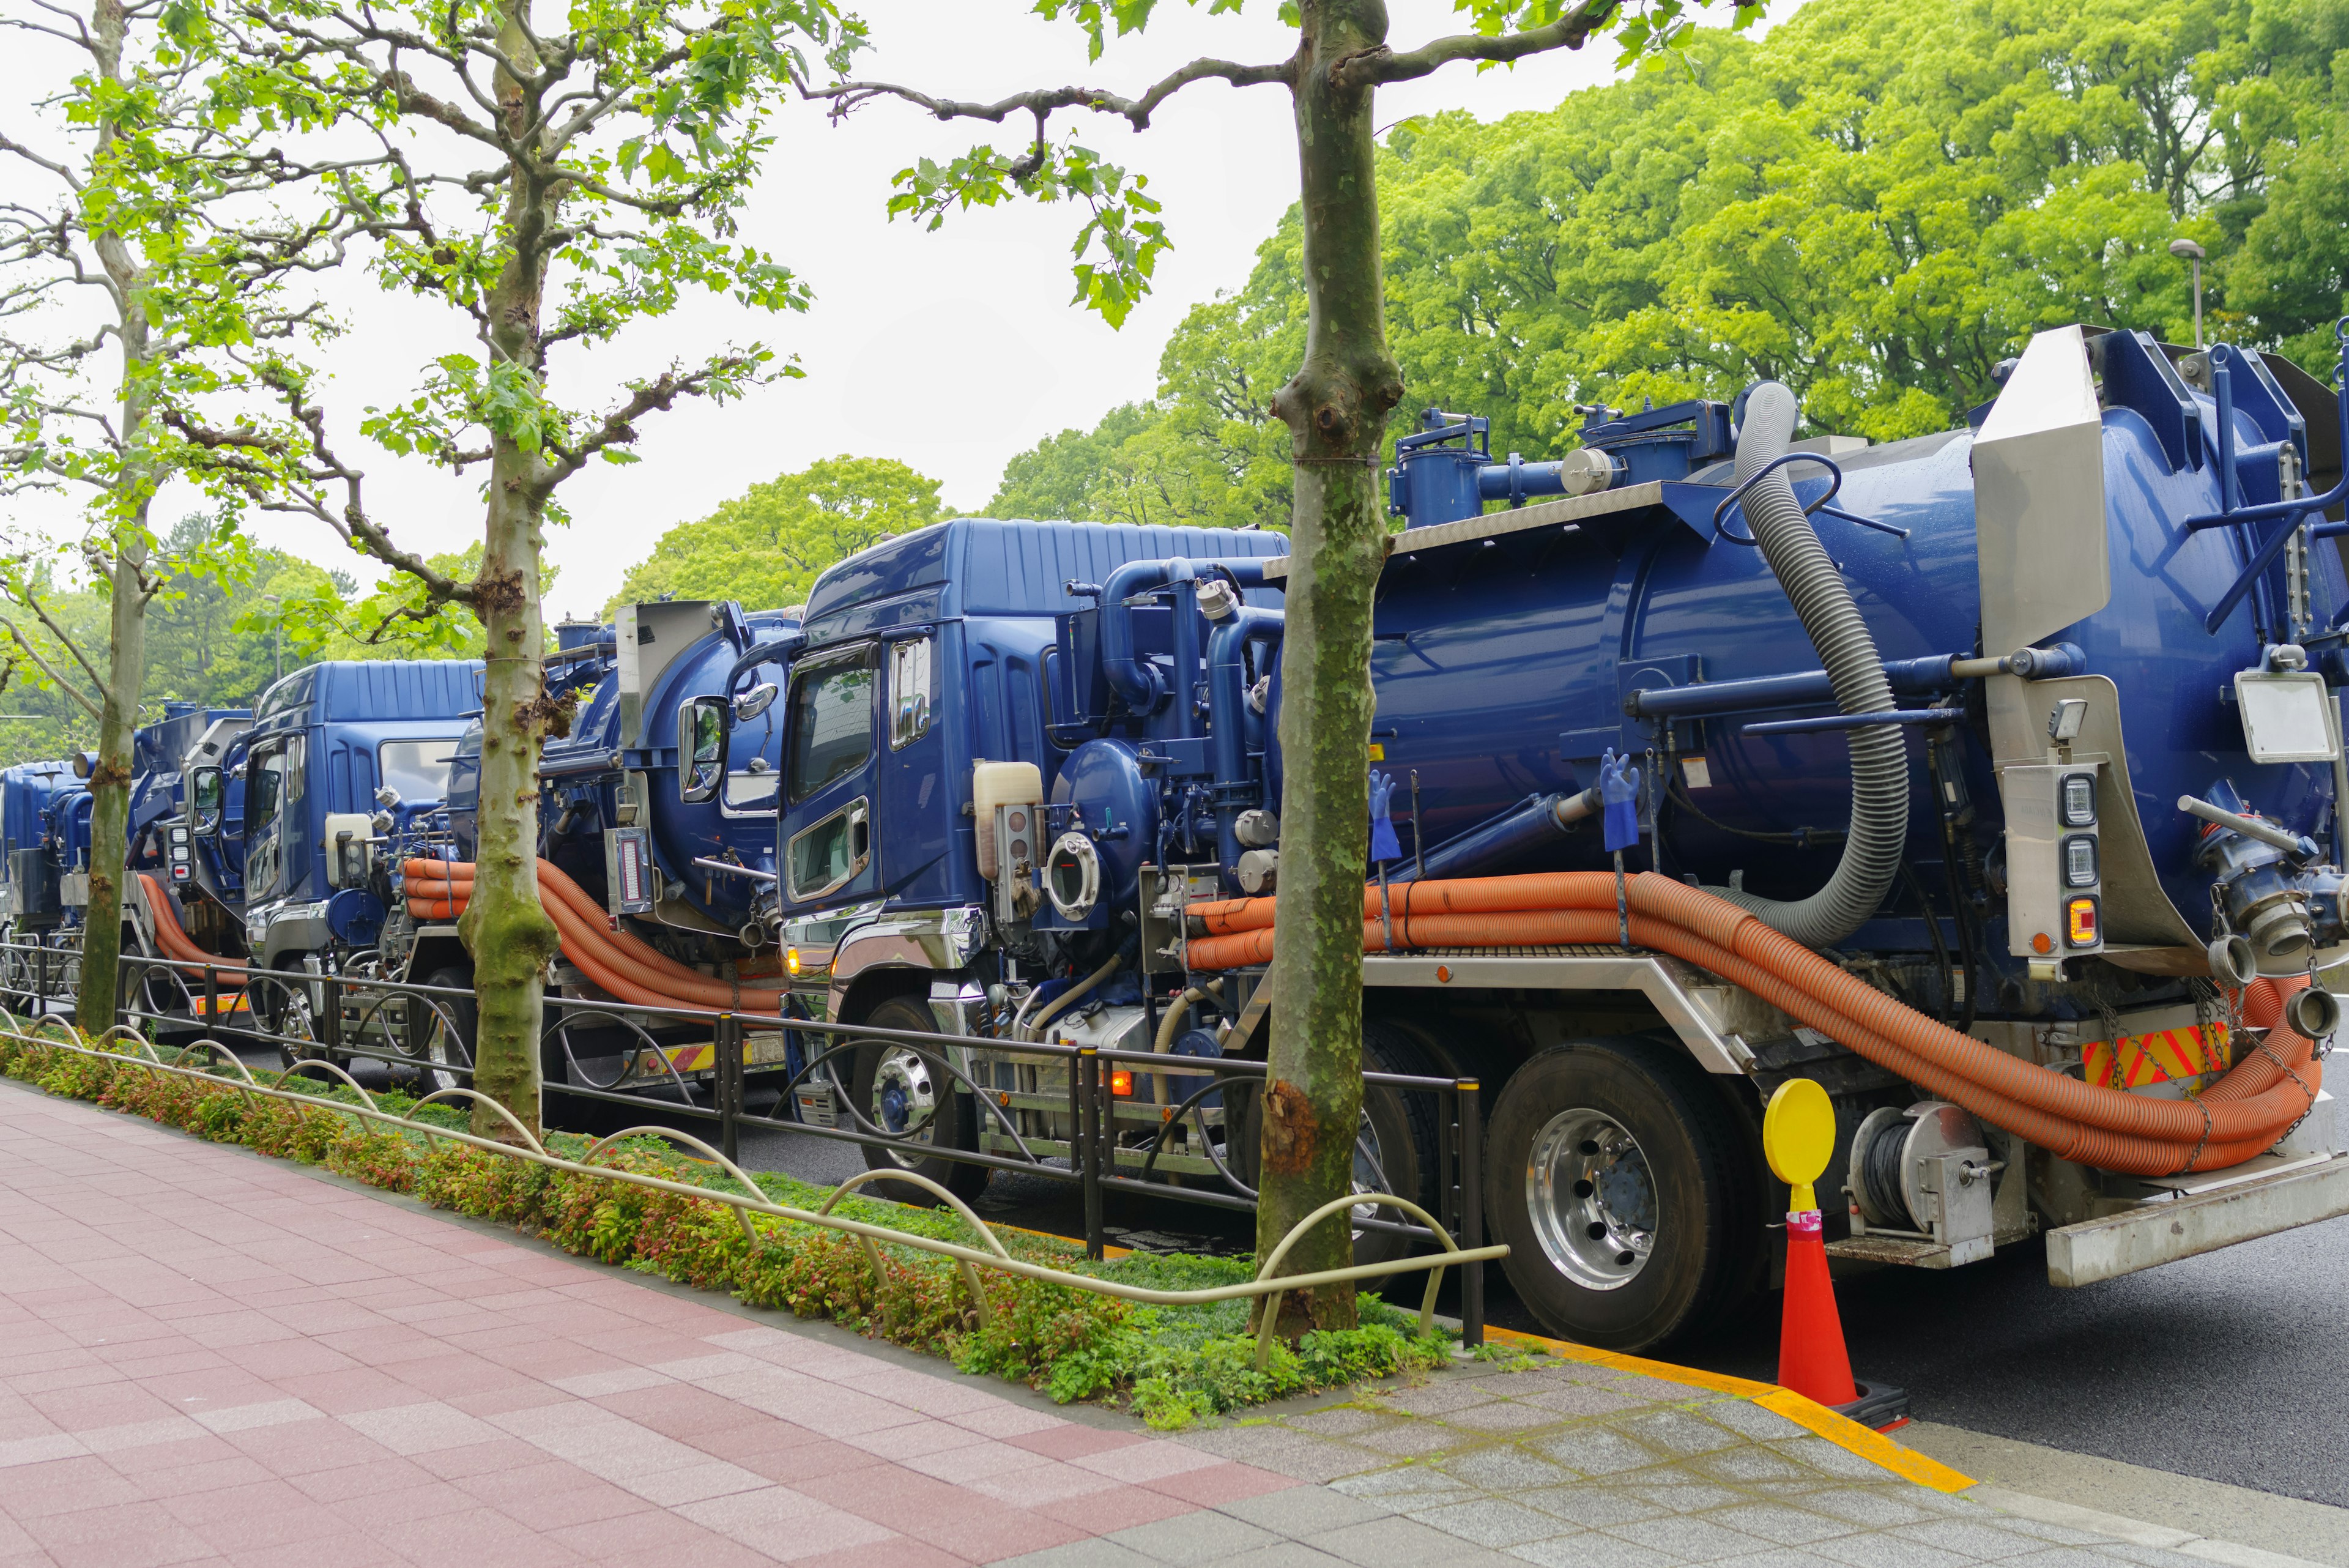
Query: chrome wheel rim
{"x": 905, "y": 1100}
{"x": 444, "y": 1050}
{"x": 1592, "y": 1198}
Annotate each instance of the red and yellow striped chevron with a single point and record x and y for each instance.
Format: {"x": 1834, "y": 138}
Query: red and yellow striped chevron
{"x": 2164, "y": 1056}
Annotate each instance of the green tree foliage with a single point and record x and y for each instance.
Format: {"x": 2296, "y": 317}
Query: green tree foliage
{"x": 217, "y": 635}
{"x": 766, "y": 547}
{"x": 1875, "y": 204}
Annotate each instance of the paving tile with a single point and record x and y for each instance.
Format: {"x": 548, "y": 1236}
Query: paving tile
{"x": 1492, "y": 1522}
{"x": 1344, "y": 1421}
{"x": 1393, "y": 1543}
{"x": 1104, "y": 1553}
{"x": 1593, "y": 1506}
{"x": 1400, "y": 1482}
{"x": 1968, "y": 1539}
{"x": 1304, "y": 1510}
{"x": 1298, "y": 1454}
{"x": 1689, "y": 1539}
{"x": 1189, "y": 1540}
{"x": 1595, "y": 1451}
{"x": 1440, "y": 1397}
{"x": 1822, "y": 1455}
{"x": 1504, "y": 1469}
{"x": 1744, "y": 1416}
{"x": 1780, "y": 1523}
{"x": 1874, "y": 1550}
{"x": 1586, "y": 1400}
{"x": 1865, "y": 1506}
{"x": 1591, "y": 1550}
{"x": 1679, "y": 1432}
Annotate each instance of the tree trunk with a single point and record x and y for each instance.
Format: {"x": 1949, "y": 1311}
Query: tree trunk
{"x": 126, "y": 673}
{"x": 506, "y": 926}
{"x": 1336, "y": 409}
{"x": 109, "y": 781}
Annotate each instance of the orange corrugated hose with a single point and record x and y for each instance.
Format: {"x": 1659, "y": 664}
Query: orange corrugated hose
{"x": 628, "y": 969}
{"x": 176, "y": 943}
{"x": 2270, "y": 1088}
{"x": 227, "y": 988}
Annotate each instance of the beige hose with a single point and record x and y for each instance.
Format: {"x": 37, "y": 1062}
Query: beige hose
{"x": 1061, "y": 1003}
{"x": 1171, "y": 1024}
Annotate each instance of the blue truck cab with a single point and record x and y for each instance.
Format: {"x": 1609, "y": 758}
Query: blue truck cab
{"x": 339, "y": 757}
{"x": 28, "y": 868}
{"x": 943, "y": 722}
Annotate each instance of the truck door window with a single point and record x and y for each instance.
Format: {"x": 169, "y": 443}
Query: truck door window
{"x": 831, "y": 722}
{"x": 909, "y": 692}
{"x": 419, "y": 770}
{"x": 822, "y": 858}
{"x": 266, "y": 790}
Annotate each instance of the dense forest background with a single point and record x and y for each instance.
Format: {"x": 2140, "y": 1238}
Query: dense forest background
{"x": 1875, "y": 205}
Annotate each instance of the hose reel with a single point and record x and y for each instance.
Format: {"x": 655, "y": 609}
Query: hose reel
{"x": 1924, "y": 1172}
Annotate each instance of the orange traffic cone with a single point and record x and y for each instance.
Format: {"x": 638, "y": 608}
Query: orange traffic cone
{"x": 1811, "y": 1360}
{"x": 1798, "y": 1133}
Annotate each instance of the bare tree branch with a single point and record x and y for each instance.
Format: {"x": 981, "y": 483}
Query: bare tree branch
{"x": 846, "y": 97}
{"x": 1384, "y": 65}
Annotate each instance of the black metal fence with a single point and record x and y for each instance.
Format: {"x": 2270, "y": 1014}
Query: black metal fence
{"x": 338, "y": 1017}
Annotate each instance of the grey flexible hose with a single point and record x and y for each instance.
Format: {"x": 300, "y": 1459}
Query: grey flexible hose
{"x": 1879, "y": 756}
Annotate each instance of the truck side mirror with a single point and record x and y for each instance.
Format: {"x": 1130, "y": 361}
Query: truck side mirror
{"x": 204, "y": 800}
{"x": 701, "y": 749}
{"x": 756, "y": 700}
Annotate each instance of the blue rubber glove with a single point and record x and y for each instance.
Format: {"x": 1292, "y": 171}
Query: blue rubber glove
{"x": 1384, "y": 845}
{"x": 1618, "y": 788}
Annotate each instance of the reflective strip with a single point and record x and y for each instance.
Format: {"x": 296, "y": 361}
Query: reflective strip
{"x": 2164, "y": 1056}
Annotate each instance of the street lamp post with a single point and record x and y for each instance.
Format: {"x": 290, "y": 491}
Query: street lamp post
{"x": 2187, "y": 251}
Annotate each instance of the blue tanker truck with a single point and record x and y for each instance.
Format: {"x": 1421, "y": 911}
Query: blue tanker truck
{"x": 656, "y": 846}
{"x": 2029, "y": 727}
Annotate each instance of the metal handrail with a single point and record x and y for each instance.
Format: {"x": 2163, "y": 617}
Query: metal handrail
{"x": 1263, "y": 1285}
{"x": 1093, "y": 1147}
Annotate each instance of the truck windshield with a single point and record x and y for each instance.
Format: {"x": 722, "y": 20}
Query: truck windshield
{"x": 831, "y": 724}
{"x": 419, "y": 770}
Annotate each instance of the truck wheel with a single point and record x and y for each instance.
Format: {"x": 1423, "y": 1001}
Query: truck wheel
{"x": 449, "y": 1022}
{"x": 896, "y": 1088}
{"x": 1610, "y": 1173}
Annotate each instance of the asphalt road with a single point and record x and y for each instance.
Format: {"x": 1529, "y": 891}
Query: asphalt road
{"x": 2229, "y": 1366}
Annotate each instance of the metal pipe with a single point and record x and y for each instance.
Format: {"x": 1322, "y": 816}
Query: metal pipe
{"x": 1134, "y": 680}
{"x": 1907, "y": 677}
{"x": 1227, "y": 713}
{"x": 752, "y": 872}
{"x": 2250, "y": 827}
{"x": 1857, "y": 720}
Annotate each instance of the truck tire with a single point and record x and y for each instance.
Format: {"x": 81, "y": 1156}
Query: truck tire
{"x": 1396, "y": 1150}
{"x": 894, "y": 1087}
{"x": 1611, "y": 1173}
{"x": 448, "y": 1028}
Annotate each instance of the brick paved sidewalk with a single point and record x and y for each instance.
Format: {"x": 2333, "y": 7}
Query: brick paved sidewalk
{"x": 209, "y": 1356}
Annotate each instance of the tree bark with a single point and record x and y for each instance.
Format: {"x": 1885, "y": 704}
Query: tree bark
{"x": 506, "y": 926}
{"x": 1336, "y": 409}
{"x": 126, "y": 535}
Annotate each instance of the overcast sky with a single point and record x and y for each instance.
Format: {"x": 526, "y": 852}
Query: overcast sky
{"x": 950, "y": 351}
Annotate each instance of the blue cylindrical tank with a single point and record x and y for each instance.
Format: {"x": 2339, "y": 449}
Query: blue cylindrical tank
{"x": 1501, "y": 667}
{"x": 734, "y": 827}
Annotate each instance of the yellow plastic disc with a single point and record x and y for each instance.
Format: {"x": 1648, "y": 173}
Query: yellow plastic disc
{"x": 1798, "y": 1131}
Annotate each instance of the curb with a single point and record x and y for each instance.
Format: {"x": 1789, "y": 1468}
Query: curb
{"x": 1843, "y": 1432}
